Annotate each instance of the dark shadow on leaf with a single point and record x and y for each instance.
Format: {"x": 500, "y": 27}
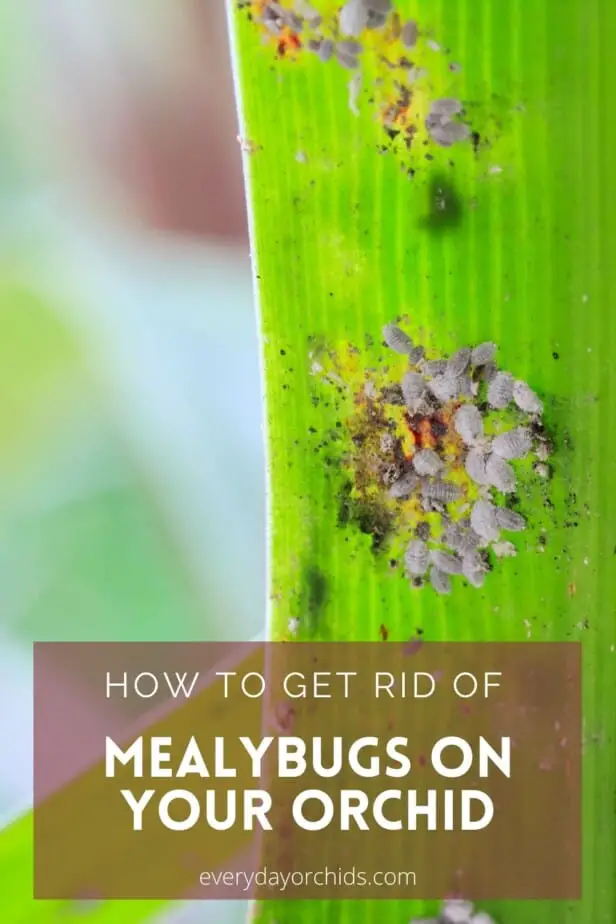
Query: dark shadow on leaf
{"x": 445, "y": 211}
{"x": 314, "y": 594}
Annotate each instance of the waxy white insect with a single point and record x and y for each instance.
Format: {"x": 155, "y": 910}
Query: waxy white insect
{"x": 452, "y": 535}
{"x": 464, "y": 386}
{"x": 446, "y": 107}
{"x": 325, "y": 50}
{"x": 483, "y": 520}
{"x": 416, "y": 355}
{"x": 349, "y": 47}
{"x": 526, "y": 399}
{"x": 482, "y": 917}
{"x": 347, "y": 60}
{"x": 396, "y": 339}
{"x": 410, "y": 34}
{"x": 469, "y": 542}
{"x": 468, "y": 423}
{"x": 353, "y": 17}
{"x": 500, "y": 474}
{"x": 427, "y": 462}
{"x": 376, "y": 20}
{"x": 443, "y": 388}
{"x": 500, "y": 390}
{"x": 446, "y": 562}
{"x": 379, "y": 6}
{"x": 458, "y": 363}
{"x": 403, "y": 487}
{"x": 413, "y": 389}
{"x": 444, "y": 491}
{"x": 513, "y": 444}
{"x": 432, "y": 367}
{"x": 488, "y": 371}
{"x": 504, "y": 549}
{"x": 475, "y": 466}
{"x": 510, "y": 520}
{"x": 416, "y": 557}
{"x": 472, "y": 561}
{"x": 456, "y": 911}
{"x": 475, "y": 576}
{"x": 447, "y": 133}
{"x": 440, "y": 581}
{"x": 484, "y": 353}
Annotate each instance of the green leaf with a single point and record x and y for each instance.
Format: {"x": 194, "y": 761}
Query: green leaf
{"x": 510, "y": 242}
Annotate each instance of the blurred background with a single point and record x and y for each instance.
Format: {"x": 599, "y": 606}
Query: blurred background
{"x": 131, "y": 458}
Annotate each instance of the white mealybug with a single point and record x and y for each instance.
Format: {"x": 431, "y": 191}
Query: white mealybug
{"x": 468, "y": 423}
{"x": 458, "y": 363}
{"x": 379, "y": 6}
{"x": 349, "y": 47}
{"x": 446, "y": 562}
{"x": 488, "y": 372}
{"x": 447, "y": 133}
{"x": 444, "y": 492}
{"x": 484, "y": 353}
{"x": 446, "y": 108}
{"x": 482, "y": 917}
{"x": 427, "y": 462}
{"x": 510, "y": 520}
{"x": 526, "y": 399}
{"x": 456, "y": 911}
{"x": 500, "y": 474}
{"x": 305, "y": 9}
{"x": 443, "y": 388}
{"x": 475, "y": 467}
{"x": 504, "y": 549}
{"x": 470, "y": 542}
{"x": 410, "y": 34}
{"x": 483, "y": 520}
{"x": 413, "y": 387}
{"x": 513, "y": 444}
{"x": 376, "y": 20}
{"x": 353, "y": 17}
{"x": 404, "y": 486}
{"x": 500, "y": 390}
{"x": 464, "y": 386}
{"x": 416, "y": 557}
{"x": 434, "y": 367}
{"x": 325, "y": 50}
{"x": 351, "y": 62}
{"x": 472, "y": 561}
{"x": 453, "y": 535}
{"x": 293, "y": 20}
{"x": 474, "y": 576}
{"x": 440, "y": 581}
{"x": 416, "y": 355}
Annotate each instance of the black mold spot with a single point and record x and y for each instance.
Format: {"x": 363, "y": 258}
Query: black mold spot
{"x": 369, "y": 517}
